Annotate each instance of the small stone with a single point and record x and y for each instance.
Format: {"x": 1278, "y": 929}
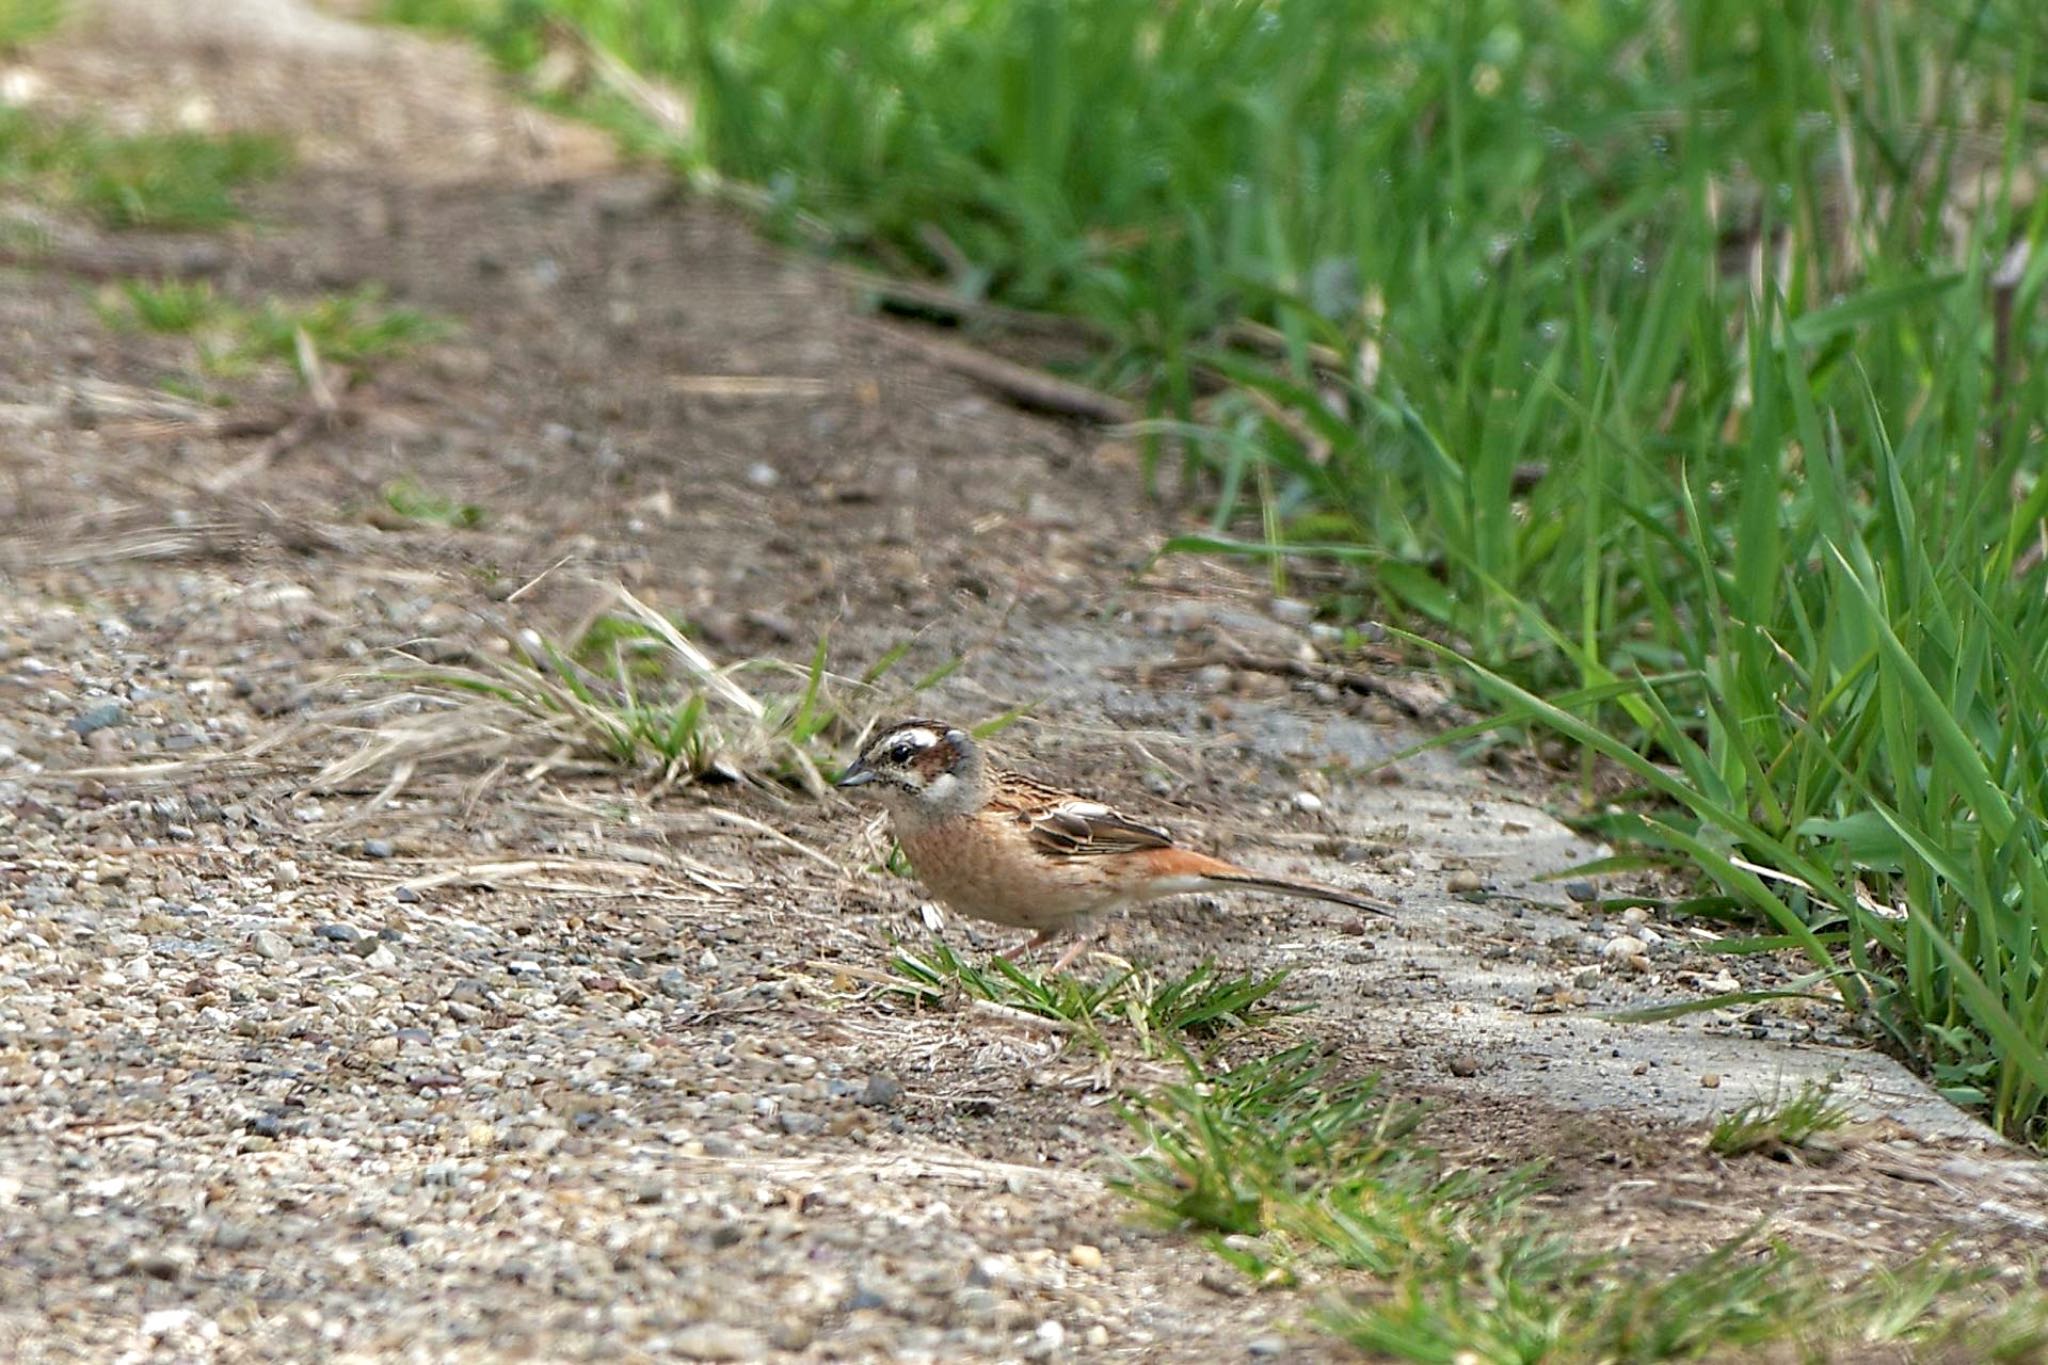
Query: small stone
{"x": 286, "y": 873}
{"x": 381, "y": 957}
{"x": 881, "y": 1092}
{"x": 234, "y": 1237}
{"x": 101, "y": 717}
{"x": 1464, "y": 1065}
{"x": 1293, "y": 611}
{"x": 761, "y": 474}
{"x": 366, "y": 945}
{"x": 1051, "y": 1335}
{"x": 160, "y": 1263}
{"x": 1307, "y": 802}
{"x": 1711, "y": 1081}
{"x": 269, "y": 946}
{"x": 1635, "y": 917}
{"x": 1624, "y": 948}
{"x": 1082, "y": 1256}
{"x": 1582, "y": 892}
{"x": 418, "y": 1037}
{"x": 1464, "y": 882}
{"x": 1264, "y": 1348}
{"x": 799, "y": 1125}
{"x": 377, "y": 848}
{"x": 716, "y": 1341}
{"x": 336, "y": 933}
{"x": 263, "y": 1125}
{"x": 405, "y": 895}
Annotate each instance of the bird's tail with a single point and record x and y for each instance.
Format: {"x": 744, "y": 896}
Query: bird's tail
{"x": 1242, "y": 880}
{"x": 1188, "y": 870}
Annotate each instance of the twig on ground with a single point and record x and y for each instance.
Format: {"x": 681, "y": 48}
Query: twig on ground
{"x": 751, "y": 385}
{"x": 1335, "y": 675}
{"x": 1022, "y": 385}
{"x": 731, "y": 817}
{"x": 921, "y": 299}
{"x": 289, "y": 437}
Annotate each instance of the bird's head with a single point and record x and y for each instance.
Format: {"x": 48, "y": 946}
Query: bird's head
{"x": 926, "y": 767}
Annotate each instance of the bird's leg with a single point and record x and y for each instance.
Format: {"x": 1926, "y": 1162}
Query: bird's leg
{"x": 1080, "y": 946}
{"x": 1030, "y": 945}
{"x": 1088, "y": 937}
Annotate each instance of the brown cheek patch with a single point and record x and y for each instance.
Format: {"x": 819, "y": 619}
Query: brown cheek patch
{"x": 934, "y": 762}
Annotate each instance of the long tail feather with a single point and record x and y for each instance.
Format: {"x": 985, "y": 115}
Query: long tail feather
{"x": 1315, "y": 891}
{"x": 1181, "y": 870}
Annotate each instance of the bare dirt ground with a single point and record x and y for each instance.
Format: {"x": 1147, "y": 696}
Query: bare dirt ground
{"x": 632, "y": 1096}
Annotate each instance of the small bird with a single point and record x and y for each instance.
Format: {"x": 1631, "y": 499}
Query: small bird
{"x": 1004, "y": 847}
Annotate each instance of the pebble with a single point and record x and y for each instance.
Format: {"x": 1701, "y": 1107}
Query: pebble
{"x": 1464, "y": 882}
{"x": 1308, "y": 802}
{"x": 882, "y": 1091}
{"x": 1464, "y": 1065}
{"x": 1582, "y": 892}
{"x": 270, "y": 946}
{"x": 104, "y": 716}
{"x": 1082, "y": 1256}
{"x": 1293, "y": 611}
{"x": 799, "y": 1125}
{"x": 405, "y": 895}
{"x": 336, "y": 933}
{"x": 161, "y": 1263}
{"x": 1629, "y": 951}
{"x": 1711, "y": 1081}
{"x": 716, "y": 1341}
{"x": 377, "y": 848}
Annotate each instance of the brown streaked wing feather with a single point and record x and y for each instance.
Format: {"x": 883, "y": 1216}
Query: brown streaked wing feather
{"x": 1070, "y": 826}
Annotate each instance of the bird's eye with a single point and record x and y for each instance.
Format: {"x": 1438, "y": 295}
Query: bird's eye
{"x": 902, "y": 753}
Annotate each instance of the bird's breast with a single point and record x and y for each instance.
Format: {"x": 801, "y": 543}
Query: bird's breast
{"x": 985, "y": 867}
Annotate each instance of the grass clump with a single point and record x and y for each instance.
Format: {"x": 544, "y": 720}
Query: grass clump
{"x": 352, "y": 330}
{"x": 1293, "y": 1172}
{"x": 653, "y": 703}
{"x": 696, "y": 722}
{"x": 21, "y": 20}
{"x": 1164, "y": 1013}
{"x": 409, "y": 502}
{"x": 1779, "y": 1128}
{"x": 163, "y": 180}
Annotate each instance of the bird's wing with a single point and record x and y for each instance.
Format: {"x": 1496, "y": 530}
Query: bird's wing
{"x": 1070, "y": 826}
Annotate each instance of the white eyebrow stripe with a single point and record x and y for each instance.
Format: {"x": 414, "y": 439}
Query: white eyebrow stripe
{"x": 921, "y": 737}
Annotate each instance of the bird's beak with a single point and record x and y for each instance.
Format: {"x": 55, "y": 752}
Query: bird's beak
{"x": 859, "y": 775}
